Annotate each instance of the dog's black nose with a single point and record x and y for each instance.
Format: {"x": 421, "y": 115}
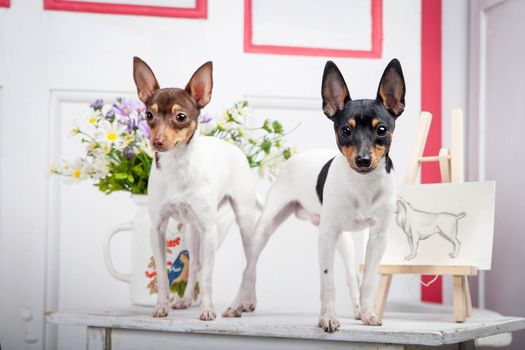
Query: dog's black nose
{"x": 158, "y": 143}
{"x": 363, "y": 162}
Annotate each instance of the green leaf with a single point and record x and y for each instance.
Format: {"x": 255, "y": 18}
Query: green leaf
{"x": 277, "y": 127}
{"x": 267, "y": 126}
{"x": 121, "y": 176}
{"x": 266, "y": 145}
{"x": 287, "y": 153}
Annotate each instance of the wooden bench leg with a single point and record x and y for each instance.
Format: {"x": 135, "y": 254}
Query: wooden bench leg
{"x": 459, "y": 299}
{"x": 382, "y": 294}
{"x": 468, "y": 297}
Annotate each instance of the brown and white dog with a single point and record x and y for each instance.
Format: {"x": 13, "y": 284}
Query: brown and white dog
{"x": 193, "y": 176}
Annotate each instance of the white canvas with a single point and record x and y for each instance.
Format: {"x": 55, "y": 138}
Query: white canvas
{"x": 338, "y": 24}
{"x": 449, "y": 224}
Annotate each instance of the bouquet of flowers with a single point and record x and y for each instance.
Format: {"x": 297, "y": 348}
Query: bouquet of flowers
{"x": 118, "y": 157}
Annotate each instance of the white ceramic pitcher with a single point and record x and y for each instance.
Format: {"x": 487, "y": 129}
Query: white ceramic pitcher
{"x": 142, "y": 277}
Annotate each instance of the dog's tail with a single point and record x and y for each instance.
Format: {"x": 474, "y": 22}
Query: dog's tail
{"x": 461, "y": 215}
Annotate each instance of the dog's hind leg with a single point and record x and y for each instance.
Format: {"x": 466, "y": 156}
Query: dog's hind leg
{"x": 192, "y": 238}
{"x": 275, "y": 212}
{"x": 453, "y": 239}
{"x": 246, "y": 300}
{"x": 346, "y": 249}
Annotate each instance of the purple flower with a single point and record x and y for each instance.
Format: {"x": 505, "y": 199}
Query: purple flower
{"x": 97, "y": 104}
{"x": 144, "y": 129}
{"x": 205, "y": 118}
{"x": 125, "y": 107}
{"x": 128, "y": 153}
{"x": 129, "y": 122}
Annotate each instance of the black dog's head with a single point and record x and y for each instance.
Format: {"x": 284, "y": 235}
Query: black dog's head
{"x": 364, "y": 128}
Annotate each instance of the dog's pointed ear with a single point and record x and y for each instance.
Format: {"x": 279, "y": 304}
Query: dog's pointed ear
{"x": 200, "y": 85}
{"x": 144, "y": 79}
{"x": 391, "y": 91}
{"x": 334, "y": 90}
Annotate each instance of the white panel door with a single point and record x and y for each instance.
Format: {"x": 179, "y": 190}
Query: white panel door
{"x": 495, "y": 148}
{"x": 53, "y": 63}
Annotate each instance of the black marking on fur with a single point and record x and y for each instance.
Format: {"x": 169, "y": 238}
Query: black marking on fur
{"x": 321, "y": 179}
{"x": 325, "y": 271}
{"x": 157, "y": 160}
{"x": 388, "y": 163}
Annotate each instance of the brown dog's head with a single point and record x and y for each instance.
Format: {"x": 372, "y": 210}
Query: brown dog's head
{"x": 172, "y": 113}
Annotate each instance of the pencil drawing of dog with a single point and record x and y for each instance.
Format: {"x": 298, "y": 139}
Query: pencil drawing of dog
{"x": 419, "y": 225}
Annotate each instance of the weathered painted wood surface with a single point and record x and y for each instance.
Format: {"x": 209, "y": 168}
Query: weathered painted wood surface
{"x": 430, "y": 328}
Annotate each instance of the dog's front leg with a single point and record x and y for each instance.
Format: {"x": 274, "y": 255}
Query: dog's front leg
{"x": 410, "y": 239}
{"x": 327, "y": 244}
{"x": 209, "y": 248}
{"x": 192, "y": 243}
{"x": 158, "y": 247}
{"x": 374, "y": 252}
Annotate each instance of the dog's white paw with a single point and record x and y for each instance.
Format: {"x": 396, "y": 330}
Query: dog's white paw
{"x": 161, "y": 310}
{"x": 232, "y": 312}
{"x": 249, "y": 306}
{"x": 371, "y": 319}
{"x": 207, "y": 314}
{"x": 409, "y": 257}
{"x": 329, "y": 323}
{"x": 181, "y": 304}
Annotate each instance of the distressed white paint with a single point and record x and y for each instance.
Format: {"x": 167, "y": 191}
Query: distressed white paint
{"x": 427, "y": 328}
{"x": 97, "y": 338}
{"x": 133, "y": 340}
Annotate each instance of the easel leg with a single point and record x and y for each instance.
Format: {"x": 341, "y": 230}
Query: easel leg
{"x": 468, "y": 297}
{"x": 382, "y": 294}
{"x": 459, "y": 300}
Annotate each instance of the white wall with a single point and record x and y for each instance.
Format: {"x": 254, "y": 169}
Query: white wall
{"x": 454, "y": 60}
{"x": 80, "y": 55}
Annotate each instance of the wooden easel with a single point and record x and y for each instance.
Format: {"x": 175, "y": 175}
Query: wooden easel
{"x": 451, "y": 169}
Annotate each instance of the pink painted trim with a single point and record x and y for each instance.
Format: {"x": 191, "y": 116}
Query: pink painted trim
{"x": 199, "y": 11}
{"x": 375, "y": 52}
{"x": 431, "y": 102}
{"x": 5, "y": 3}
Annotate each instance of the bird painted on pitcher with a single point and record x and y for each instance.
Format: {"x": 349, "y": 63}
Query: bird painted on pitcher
{"x": 179, "y": 270}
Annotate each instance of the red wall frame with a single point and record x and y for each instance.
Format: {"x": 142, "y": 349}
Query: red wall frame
{"x": 5, "y": 3}
{"x": 375, "y": 52}
{"x": 199, "y": 11}
{"x": 431, "y": 102}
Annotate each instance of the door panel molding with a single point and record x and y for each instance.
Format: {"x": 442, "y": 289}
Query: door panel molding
{"x": 52, "y": 252}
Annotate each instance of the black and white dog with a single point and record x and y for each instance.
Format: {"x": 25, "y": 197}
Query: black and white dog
{"x": 349, "y": 192}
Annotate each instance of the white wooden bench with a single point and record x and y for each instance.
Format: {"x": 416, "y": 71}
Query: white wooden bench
{"x": 133, "y": 327}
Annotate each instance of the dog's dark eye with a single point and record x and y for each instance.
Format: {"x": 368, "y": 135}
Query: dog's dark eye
{"x": 149, "y": 116}
{"x": 345, "y": 131}
{"x": 181, "y": 117}
{"x": 381, "y": 131}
